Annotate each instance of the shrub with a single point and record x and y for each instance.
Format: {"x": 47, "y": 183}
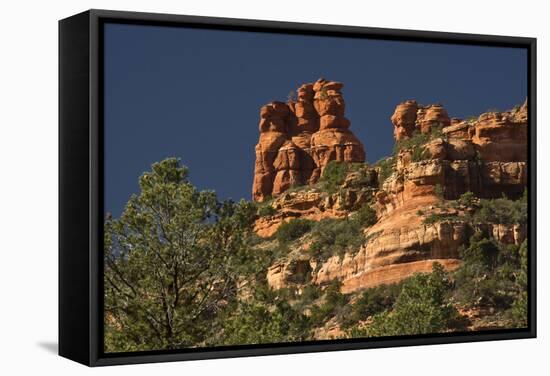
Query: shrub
{"x": 372, "y": 301}
{"x": 419, "y": 153}
{"x": 438, "y": 217}
{"x": 421, "y": 307}
{"x": 266, "y": 211}
{"x": 491, "y": 275}
{"x": 436, "y": 131}
{"x": 293, "y": 229}
{"x": 254, "y": 323}
{"x": 334, "y": 174}
{"x": 519, "y": 309}
{"x": 257, "y": 322}
{"x": 502, "y": 210}
{"x": 310, "y": 293}
{"x": 385, "y": 169}
{"x": 334, "y": 304}
{"x": 415, "y": 141}
{"x": 372, "y": 236}
{"x": 324, "y": 93}
{"x": 366, "y": 216}
{"x": 518, "y": 312}
{"x": 335, "y": 236}
{"x": 481, "y": 251}
{"x": 365, "y": 176}
{"x": 278, "y": 251}
{"x": 467, "y": 199}
{"x": 297, "y": 188}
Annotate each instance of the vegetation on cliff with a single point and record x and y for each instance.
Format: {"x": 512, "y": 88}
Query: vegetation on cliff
{"x": 358, "y": 251}
{"x": 183, "y": 269}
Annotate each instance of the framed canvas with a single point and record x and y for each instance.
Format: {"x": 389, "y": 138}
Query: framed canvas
{"x": 237, "y": 187}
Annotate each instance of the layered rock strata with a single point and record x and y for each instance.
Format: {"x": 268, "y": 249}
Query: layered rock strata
{"x": 485, "y": 155}
{"x": 311, "y": 204}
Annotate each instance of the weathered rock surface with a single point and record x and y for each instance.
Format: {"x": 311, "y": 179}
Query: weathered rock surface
{"x": 311, "y": 204}
{"x": 495, "y": 136}
{"x": 298, "y": 139}
{"x": 282, "y": 273}
{"x": 409, "y": 117}
{"x": 395, "y": 248}
{"x": 400, "y": 245}
{"x": 486, "y": 156}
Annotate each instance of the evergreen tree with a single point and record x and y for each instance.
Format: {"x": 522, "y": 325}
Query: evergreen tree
{"x": 172, "y": 262}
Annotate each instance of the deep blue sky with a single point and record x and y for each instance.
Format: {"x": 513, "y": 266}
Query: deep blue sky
{"x": 196, "y": 94}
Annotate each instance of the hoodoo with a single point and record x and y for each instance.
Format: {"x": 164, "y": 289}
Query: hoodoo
{"x": 300, "y": 137}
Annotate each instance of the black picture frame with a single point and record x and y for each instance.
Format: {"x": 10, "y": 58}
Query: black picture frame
{"x": 81, "y": 186}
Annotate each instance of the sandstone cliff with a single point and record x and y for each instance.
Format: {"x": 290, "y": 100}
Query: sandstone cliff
{"x": 299, "y": 138}
{"x": 436, "y": 161}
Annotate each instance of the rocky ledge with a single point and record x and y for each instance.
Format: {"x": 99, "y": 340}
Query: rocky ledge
{"x": 437, "y": 160}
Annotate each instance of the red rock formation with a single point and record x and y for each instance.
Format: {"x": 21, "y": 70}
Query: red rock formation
{"x": 404, "y": 119}
{"x": 399, "y": 245}
{"x": 274, "y": 128}
{"x": 487, "y": 156}
{"x": 430, "y": 116}
{"x": 310, "y": 204}
{"x": 298, "y": 139}
{"x": 496, "y": 136}
{"x": 409, "y": 117}
{"x": 307, "y": 116}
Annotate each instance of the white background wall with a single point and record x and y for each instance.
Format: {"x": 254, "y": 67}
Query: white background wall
{"x": 28, "y": 185}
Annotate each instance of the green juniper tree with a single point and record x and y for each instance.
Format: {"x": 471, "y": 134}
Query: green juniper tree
{"x": 172, "y": 262}
{"x": 421, "y": 307}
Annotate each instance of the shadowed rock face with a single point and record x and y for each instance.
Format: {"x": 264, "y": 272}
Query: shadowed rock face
{"x": 485, "y": 155}
{"x": 299, "y": 138}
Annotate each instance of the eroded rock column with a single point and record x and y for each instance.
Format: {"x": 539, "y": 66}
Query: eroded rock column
{"x": 299, "y": 138}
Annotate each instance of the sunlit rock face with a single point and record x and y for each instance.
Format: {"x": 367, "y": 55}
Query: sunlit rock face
{"x": 300, "y": 137}
{"x": 410, "y": 117}
{"x": 486, "y": 155}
